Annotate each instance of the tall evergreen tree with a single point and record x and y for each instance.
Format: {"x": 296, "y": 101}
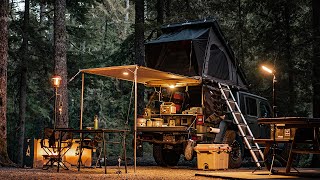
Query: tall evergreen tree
{"x": 139, "y": 45}
{"x": 23, "y": 84}
{"x": 4, "y": 5}
{"x": 316, "y": 58}
{"x": 60, "y": 60}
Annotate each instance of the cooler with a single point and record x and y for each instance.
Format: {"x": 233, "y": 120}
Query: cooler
{"x": 212, "y": 156}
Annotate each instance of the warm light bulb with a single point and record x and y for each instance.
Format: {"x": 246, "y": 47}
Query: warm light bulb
{"x": 171, "y": 86}
{"x": 125, "y": 73}
{"x": 267, "y": 69}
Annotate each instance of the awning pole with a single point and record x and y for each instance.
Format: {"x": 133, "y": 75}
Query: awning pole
{"x": 81, "y": 101}
{"x": 135, "y": 118}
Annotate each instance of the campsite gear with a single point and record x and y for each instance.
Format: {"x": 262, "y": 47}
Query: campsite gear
{"x": 167, "y": 108}
{"x": 141, "y": 122}
{"x": 147, "y": 113}
{"x": 172, "y": 122}
{"x": 242, "y": 125}
{"x": 199, "y": 119}
{"x": 157, "y": 122}
{"x": 149, "y": 123}
{"x": 178, "y": 100}
{"x": 212, "y": 156}
{"x": 188, "y": 151}
{"x": 96, "y": 122}
{"x": 283, "y": 133}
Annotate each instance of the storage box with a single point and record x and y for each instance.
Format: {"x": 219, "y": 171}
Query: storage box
{"x": 157, "y": 122}
{"x": 212, "y": 156}
{"x": 283, "y": 133}
{"x": 167, "y": 108}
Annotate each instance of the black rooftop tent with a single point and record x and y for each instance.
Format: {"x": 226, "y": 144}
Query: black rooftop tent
{"x": 196, "y": 48}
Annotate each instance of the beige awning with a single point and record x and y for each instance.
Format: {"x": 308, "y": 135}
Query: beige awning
{"x": 146, "y": 76}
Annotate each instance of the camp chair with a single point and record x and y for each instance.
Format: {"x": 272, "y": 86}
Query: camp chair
{"x": 55, "y": 144}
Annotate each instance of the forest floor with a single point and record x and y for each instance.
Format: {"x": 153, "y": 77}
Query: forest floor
{"x": 146, "y": 169}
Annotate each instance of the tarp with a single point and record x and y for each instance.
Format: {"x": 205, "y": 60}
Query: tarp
{"x": 195, "y": 48}
{"x": 146, "y": 76}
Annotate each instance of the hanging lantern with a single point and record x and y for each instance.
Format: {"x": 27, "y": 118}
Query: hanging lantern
{"x": 56, "y": 81}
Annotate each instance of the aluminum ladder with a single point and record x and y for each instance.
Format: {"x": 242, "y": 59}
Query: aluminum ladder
{"x": 242, "y": 125}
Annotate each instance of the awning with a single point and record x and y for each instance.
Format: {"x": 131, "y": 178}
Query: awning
{"x": 146, "y": 76}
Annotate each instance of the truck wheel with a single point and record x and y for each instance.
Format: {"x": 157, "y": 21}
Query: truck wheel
{"x": 170, "y": 157}
{"x": 237, "y": 152}
{"x": 158, "y": 155}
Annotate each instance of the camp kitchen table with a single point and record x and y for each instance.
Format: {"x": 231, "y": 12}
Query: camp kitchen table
{"x": 299, "y": 123}
{"x": 84, "y": 132}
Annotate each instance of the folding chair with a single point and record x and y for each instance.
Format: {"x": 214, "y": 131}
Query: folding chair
{"x": 56, "y": 147}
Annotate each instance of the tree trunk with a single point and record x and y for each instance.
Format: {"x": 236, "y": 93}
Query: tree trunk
{"x": 288, "y": 57}
{"x": 168, "y": 12}
{"x": 23, "y": 85}
{"x": 42, "y": 11}
{"x": 316, "y": 58}
{"x": 139, "y": 46}
{"x": 316, "y": 67}
{"x": 60, "y": 59}
{"x": 160, "y": 13}
{"x": 4, "y": 8}
{"x": 126, "y": 18}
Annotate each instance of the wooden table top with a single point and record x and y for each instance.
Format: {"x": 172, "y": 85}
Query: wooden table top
{"x": 292, "y": 121}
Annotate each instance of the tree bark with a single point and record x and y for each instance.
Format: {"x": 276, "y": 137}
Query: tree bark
{"x": 160, "y": 13}
{"x": 168, "y": 10}
{"x": 316, "y": 58}
{"x": 139, "y": 46}
{"x": 316, "y": 67}
{"x": 4, "y": 8}
{"x": 23, "y": 85}
{"x": 288, "y": 57}
{"x": 60, "y": 59}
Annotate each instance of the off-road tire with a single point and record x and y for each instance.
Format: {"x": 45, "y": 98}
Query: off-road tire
{"x": 158, "y": 155}
{"x": 237, "y": 154}
{"x": 165, "y": 157}
{"x": 170, "y": 157}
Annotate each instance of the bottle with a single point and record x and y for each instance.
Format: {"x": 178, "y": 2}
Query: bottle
{"x": 96, "y": 122}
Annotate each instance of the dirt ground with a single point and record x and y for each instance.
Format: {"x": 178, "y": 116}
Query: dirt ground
{"x": 142, "y": 172}
{"x": 146, "y": 169}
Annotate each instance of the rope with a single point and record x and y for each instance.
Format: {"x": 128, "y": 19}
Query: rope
{"x": 128, "y": 113}
{"x": 71, "y": 79}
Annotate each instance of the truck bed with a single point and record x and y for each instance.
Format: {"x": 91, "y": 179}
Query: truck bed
{"x": 163, "y": 129}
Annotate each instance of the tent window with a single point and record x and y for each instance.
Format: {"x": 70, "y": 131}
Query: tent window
{"x": 218, "y": 63}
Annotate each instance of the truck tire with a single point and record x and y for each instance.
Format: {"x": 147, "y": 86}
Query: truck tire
{"x": 158, "y": 155}
{"x": 170, "y": 157}
{"x": 237, "y": 153}
{"x": 165, "y": 157}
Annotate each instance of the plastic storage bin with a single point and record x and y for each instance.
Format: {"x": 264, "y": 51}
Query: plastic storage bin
{"x": 212, "y": 156}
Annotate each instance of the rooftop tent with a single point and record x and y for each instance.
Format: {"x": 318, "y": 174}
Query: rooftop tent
{"x": 195, "y": 49}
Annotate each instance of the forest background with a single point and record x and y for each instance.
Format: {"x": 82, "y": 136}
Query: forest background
{"x": 281, "y": 33}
